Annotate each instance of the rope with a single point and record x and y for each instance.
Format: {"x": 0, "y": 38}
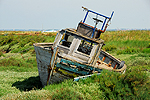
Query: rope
{"x": 17, "y": 53}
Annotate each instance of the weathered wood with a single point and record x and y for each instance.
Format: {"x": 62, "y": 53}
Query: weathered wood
{"x": 57, "y": 39}
{"x": 98, "y": 52}
{"x": 74, "y": 46}
{"x": 110, "y": 56}
{"x": 64, "y": 49}
{"x": 73, "y": 32}
{"x": 93, "y": 53}
{"x": 72, "y": 60}
{"x": 82, "y": 56}
{"x": 43, "y": 61}
{"x": 57, "y": 77}
{"x": 52, "y": 63}
{"x": 74, "y": 54}
{"x": 43, "y": 57}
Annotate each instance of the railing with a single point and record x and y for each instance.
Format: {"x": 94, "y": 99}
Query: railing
{"x": 104, "y": 22}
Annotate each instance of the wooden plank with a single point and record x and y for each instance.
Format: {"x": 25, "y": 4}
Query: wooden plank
{"x": 73, "y": 32}
{"x": 110, "y": 56}
{"x": 52, "y": 63}
{"x": 57, "y": 39}
{"x": 96, "y": 57}
{"x": 57, "y": 77}
{"x": 74, "y": 46}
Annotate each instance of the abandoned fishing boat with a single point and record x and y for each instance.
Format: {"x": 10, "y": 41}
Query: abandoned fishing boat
{"x": 76, "y": 53}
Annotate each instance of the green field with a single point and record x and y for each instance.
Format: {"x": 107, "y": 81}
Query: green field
{"x": 19, "y": 74}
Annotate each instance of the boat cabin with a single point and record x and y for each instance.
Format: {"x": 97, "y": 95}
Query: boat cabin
{"x": 82, "y": 44}
{"x": 74, "y": 45}
{"x": 76, "y": 52}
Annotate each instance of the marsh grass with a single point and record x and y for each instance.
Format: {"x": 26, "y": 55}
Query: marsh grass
{"x": 75, "y": 90}
{"x": 1, "y": 53}
{"x": 146, "y": 50}
{"x": 140, "y": 35}
{"x": 9, "y": 77}
{"x": 127, "y": 42}
{"x": 19, "y": 65}
{"x": 17, "y": 43}
{"x": 133, "y": 84}
{"x": 30, "y": 95}
{"x": 19, "y": 75}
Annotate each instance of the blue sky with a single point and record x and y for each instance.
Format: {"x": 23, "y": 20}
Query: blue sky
{"x": 58, "y": 14}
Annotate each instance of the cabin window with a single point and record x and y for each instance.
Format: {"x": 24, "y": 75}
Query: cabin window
{"x": 85, "y": 47}
{"x": 66, "y": 40}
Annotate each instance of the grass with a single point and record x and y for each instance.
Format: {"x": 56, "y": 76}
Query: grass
{"x": 124, "y": 42}
{"x": 108, "y": 85}
{"x": 19, "y": 62}
{"x": 20, "y": 80}
{"x": 9, "y": 78}
{"x": 15, "y": 43}
{"x": 140, "y": 35}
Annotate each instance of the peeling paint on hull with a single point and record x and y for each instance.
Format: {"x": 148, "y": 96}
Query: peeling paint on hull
{"x": 43, "y": 57}
{"x": 76, "y": 53}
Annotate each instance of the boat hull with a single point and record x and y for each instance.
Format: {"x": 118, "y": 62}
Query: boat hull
{"x": 44, "y": 53}
{"x": 43, "y": 57}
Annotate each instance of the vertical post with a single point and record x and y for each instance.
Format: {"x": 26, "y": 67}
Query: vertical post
{"x": 57, "y": 39}
{"x": 98, "y": 53}
{"x": 103, "y": 24}
{"x": 93, "y": 32}
{"x": 52, "y": 64}
{"x": 112, "y": 14}
{"x": 85, "y": 16}
{"x": 74, "y": 46}
{"x": 93, "y": 53}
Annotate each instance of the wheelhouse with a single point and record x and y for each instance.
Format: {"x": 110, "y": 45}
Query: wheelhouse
{"x": 76, "y": 46}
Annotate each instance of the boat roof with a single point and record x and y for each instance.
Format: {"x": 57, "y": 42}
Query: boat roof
{"x": 78, "y": 34}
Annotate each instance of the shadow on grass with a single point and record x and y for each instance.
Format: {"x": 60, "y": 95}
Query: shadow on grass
{"x": 32, "y": 83}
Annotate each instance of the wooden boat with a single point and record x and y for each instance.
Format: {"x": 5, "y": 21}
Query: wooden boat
{"x": 76, "y": 53}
